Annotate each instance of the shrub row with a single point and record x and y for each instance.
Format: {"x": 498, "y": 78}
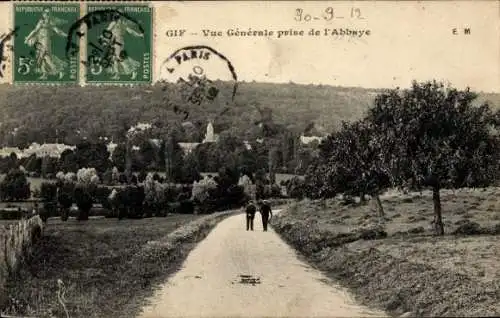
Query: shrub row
{"x": 129, "y": 201}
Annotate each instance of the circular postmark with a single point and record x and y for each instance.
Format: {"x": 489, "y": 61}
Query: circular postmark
{"x": 113, "y": 43}
{"x": 4, "y": 45}
{"x": 201, "y": 71}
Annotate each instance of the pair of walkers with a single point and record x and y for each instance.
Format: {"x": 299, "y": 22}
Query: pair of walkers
{"x": 265, "y": 211}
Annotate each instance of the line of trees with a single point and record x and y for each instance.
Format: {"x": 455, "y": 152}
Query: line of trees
{"x": 428, "y": 136}
{"x": 276, "y": 155}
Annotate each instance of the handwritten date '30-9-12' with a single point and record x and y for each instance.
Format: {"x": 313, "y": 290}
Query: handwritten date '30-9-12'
{"x": 328, "y": 14}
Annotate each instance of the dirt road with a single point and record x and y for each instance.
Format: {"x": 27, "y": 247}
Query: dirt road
{"x": 235, "y": 273}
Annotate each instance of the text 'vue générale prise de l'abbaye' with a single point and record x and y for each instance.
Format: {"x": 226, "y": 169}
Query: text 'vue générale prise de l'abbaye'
{"x": 278, "y": 33}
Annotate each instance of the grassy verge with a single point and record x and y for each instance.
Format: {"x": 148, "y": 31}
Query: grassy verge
{"x": 108, "y": 267}
{"x": 400, "y": 267}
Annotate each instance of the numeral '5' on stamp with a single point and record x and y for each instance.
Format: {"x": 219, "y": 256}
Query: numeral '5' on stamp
{"x": 39, "y": 44}
{"x": 119, "y": 48}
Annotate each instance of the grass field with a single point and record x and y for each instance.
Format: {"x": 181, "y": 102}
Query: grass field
{"x": 410, "y": 270}
{"x": 100, "y": 263}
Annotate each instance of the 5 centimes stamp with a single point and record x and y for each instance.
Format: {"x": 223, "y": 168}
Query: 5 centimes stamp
{"x": 39, "y": 55}
{"x": 120, "y": 49}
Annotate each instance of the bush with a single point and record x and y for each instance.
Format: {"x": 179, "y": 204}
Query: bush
{"x": 65, "y": 198}
{"x": 372, "y": 234}
{"x": 142, "y": 176}
{"x": 49, "y": 209}
{"x": 107, "y": 177}
{"x": 233, "y": 197}
{"x": 122, "y": 178}
{"x": 15, "y": 186}
{"x": 83, "y": 199}
{"x": 470, "y": 228}
{"x": 87, "y": 176}
{"x": 136, "y": 196}
{"x": 115, "y": 176}
{"x": 114, "y": 203}
{"x": 128, "y": 202}
{"x": 11, "y": 214}
{"x": 276, "y": 191}
{"x": 101, "y": 195}
{"x": 154, "y": 192}
{"x": 248, "y": 186}
{"x": 133, "y": 179}
{"x": 203, "y": 193}
{"x": 48, "y": 192}
{"x": 296, "y": 188}
{"x": 200, "y": 190}
{"x": 186, "y": 207}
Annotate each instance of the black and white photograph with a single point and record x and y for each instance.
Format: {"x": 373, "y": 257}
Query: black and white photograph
{"x": 249, "y": 159}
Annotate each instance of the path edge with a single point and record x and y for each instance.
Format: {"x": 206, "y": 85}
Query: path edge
{"x": 173, "y": 248}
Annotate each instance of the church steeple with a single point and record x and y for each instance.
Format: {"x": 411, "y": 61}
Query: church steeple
{"x": 210, "y": 135}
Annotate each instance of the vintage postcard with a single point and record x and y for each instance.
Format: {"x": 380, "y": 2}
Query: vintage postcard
{"x": 249, "y": 158}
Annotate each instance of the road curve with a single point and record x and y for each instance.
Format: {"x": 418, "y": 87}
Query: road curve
{"x": 235, "y": 273}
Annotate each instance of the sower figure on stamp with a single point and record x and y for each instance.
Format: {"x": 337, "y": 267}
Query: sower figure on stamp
{"x": 41, "y": 40}
{"x": 266, "y": 213}
{"x": 120, "y": 63}
{"x": 251, "y": 209}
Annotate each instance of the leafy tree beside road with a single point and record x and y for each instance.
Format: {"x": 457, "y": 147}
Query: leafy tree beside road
{"x": 428, "y": 136}
{"x": 354, "y": 165}
{"x": 436, "y": 137}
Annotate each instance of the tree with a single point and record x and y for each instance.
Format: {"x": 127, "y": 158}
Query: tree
{"x": 83, "y": 199}
{"x": 173, "y": 158}
{"x": 13, "y": 161}
{"x": 206, "y": 155}
{"x": 49, "y": 166}
{"x": 107, "y": 177}
{"x": 92, "y": 155}
{"x": 65, "y": 198}
{"x": 189, "y": 170}
{"x": 289, "y": 142}
{"x": 436, "y": 137}
{"x": 68, "y": 161}
{"x": 353, "y": 164}
{"x": 146, "y": 156}
{"x": 86, "y": 185}
{"x": 15, "y": 186}
{"x": 33, "y": 164}
{"x": 247, "y": 162}
{"x": 115, "y": 175}
{"x": 48, "y": 193}
{"x": 119, "y": 155}
{"x": 201, "y": 193}
{"x": 87, "y": 176}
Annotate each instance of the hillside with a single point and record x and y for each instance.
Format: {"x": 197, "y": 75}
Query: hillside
{"x": 42, "y": 113}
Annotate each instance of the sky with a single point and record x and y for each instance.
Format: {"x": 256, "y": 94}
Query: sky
{"x": 411, "y": 40}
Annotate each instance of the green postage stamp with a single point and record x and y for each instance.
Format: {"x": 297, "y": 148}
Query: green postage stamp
{"x": 119, "y": 49}
{"x": 39, "y": 44}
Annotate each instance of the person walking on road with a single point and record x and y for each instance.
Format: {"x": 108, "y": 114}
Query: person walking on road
{"x": 250, "y": 210}
{"x": 266, "y": 213}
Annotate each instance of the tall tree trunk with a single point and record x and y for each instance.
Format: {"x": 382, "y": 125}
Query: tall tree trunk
{"x": 438, "y": 220}
{"x": 380, "y": 208}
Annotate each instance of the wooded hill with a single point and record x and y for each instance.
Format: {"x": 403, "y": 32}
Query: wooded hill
{"x": 66, "y": 113}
